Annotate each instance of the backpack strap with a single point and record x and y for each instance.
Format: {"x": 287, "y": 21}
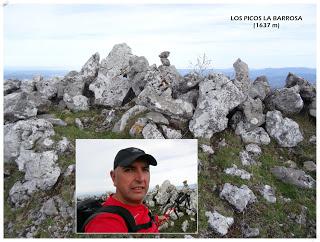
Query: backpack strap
{"x": 125, "y": 214}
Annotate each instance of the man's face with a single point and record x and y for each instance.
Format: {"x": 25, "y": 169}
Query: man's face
{"x": 131, "y": 182}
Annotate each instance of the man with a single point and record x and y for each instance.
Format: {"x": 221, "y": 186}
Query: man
{"x": 131, "y": 177}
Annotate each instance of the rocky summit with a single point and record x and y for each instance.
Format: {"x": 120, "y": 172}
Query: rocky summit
{"x": 257, "y": 144}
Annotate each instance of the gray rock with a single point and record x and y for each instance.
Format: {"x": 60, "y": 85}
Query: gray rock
{"x": 246, "y": 159}
{"x": 249, "y": 232}
{"x": 313, "y": 108}
{"x": 171, "y": 133}
{"x": 174, "y": 108}
{"x": 164, "y": 54}
{"x": 122, "y": 123}
{"x": 29, "y": 86}
{"x": 284, "y": 130}
{"x": 47, "y": 88}
{"x": 260, "y": 88}
{"x": 52, "y": 119}
{"x": 207, "y": 149}
{"x": 190, "y": 97}
{"x": 18, "y": 106}
{"x": 139, "y": 67}
{"x": 268, "y": 193}
{"x": 242, "y": 80}
{"x": 157, "y": 118}
{"x": 76, "y": 103}
{"x": 138, "y": 126}
{"x": 164, "y": 192}
{"x": 90, "y": 69}
{"x": 253, "y": 111}
{"x": 257, "y": 136}
{"x": 10, "y": 86}
{"x": 150, "y": 131}
{"x": 23, "y": 135}
{"x": 307, "y": 91}
{"x": 286, "y": 100}
{"x": 63, "y": 146}
{"x": 234, "y": 171}
{"x": 44, "y": 144}
{"x": 185, "y": 225}
{"x": 165, "y": 61}
{"x": 253, "y": 149}
{"x": 219, "y": 223}
{"x": 290, "y": 164}
{"x": 240, "y": 198}
{"x": 313, "y": 139}
{"x": 78, "y": 123}
{"x": 71, "y": 169}
{"x": 295, "y": 177}
{"x": 217, "y": 96}
{"x": 309, "y": 166}
{"x": 49, "y": 208}
{"x": 112, "y": 85}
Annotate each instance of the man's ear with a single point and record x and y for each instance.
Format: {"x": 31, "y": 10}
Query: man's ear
{"x": 112, "y": 175}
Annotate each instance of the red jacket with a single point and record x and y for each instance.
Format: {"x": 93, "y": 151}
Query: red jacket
{"x": 114, "y": 223}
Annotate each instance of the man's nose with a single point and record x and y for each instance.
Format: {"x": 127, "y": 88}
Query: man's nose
{"x": 140, "y": 176}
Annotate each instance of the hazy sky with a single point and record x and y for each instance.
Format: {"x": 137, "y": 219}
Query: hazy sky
{"x": 177, "y": 161}
{"x": 65, "y": 36}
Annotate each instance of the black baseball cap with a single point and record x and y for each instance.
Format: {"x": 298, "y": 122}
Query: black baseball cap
{"x": 127, "y": 156}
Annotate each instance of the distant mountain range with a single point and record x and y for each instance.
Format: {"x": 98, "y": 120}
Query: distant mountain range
{"x": 276, "y": 76}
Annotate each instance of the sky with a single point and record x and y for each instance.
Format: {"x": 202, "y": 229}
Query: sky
{"x": 65, "y": 36}
{"x": 177, "y": 161}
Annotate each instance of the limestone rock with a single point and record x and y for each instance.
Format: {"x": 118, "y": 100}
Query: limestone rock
{"x": 284, "y": 130}
{"x": 18, "y": 106}
{"x": 174, "y": 108}
{"x": 47, "y": 88}
{"x": 219, "y": 223}
{"x": 139, "y": 67}
{"x": 286, "y": 100}
{"x": 295, "y": 177}
{"x": 268, "y": 193}
{"x": 240, "y": 198}
{"x": 246, "y": 159}
{"x": 185, "y": 225}
{"x": 307, "y": 91}
{"x": 171, "y": 133}
{"x": 249, "y": 232}
{"x": 260, "y": 88}
{"x": 10, "y": 86}
{"x": 207, "y": 149}
{"x": 242, "y": 80}
{"x": 217, "y": 96}
{"x": 157, "y": 118}
{"x": 253, "y": 149}
{"x": 122, "y": 123}
{"x": 52, "y": 119}
{"x": 49, "y": 208}
{"x": 112, "y": 84}
{"x": 150, "y": 131}
{"x": 76, "y": 103}
{"x": 138, "y": 126}
{"x": 253, "y": 111}
{"x": 257, "y": 136}
{"x": 90, "y": 69}
{"x": 309, "y": 166}
{"x": 190, "y": 97}
{"x": 163, "y": 194}
{"x": 78, "y": 123}
{"x": 313, "y": 108}
{"x": 234, "y": 171}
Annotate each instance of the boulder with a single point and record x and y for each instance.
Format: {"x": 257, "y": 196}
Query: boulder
{"x": 112, "y": 84}
{"x": 253, "y": 111}
{"x": 260, "y": 88}
{"x": 249, "y": 232}
{"x": 207, "y": 149}
{"x": 150, "y": 131}
{"x": 190, "y": 97}
{"x": 313, "y": 108}
{"x": 284, "y": 130}
{"x": 257, "y": 136}
{"x": 157, "y": 118}
{"x": 219, "y": 223}
{"x": 63, "y": 146}
{"x": 164, "y": 191}
{"x": 175, "y": 108}
{"x": 295, "y": 177}
{"x": 47, "y": 88}
{"x": 78, "y": 123}
{"x": 253, "y": 149}
{"x": 10, "y": 86}
{"x": 217, "y": 97}
{"x": 122, "y": 123}
{"x": 307, "y": 91}
{"x": 76, "y": 103}
{"x": 286, "y": 100}
{"x": 246, "y": 159}
{"x": 138, "y": 126}
{"x": 23, "y": 135}
{"x": 234, "y": 171}
{"x": 268, "y": 193}
{"x": 170, "y": 133}
{"x": 240, "y": 198}
{"x": 242, "y": 80}
{"x": 90, "y": 69}
{"x": 18, "y": 106}
{"x": 309, "y": 166}
{"x": 139, "y": 66}
{"x": 49, "y": 208}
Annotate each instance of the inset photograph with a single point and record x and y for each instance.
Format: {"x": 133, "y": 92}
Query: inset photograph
{"x": 137, "y": 186}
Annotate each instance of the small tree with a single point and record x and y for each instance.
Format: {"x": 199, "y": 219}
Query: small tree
{"x": 202, "y": 65}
